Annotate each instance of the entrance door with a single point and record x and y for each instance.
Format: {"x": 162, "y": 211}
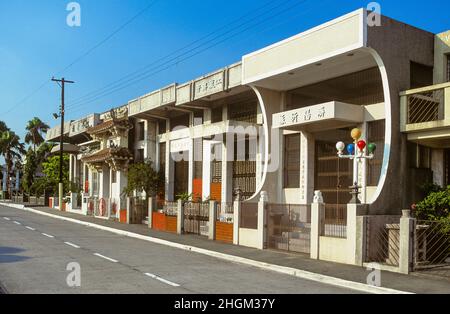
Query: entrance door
{"x": 181, "y": 175}
{"x": 333, "y": 176}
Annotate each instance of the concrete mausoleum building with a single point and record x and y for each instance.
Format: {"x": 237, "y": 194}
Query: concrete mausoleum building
{"x": 271, "y": 122}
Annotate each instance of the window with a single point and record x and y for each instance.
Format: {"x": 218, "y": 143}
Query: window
{"x": 448, "y": 68}
{"x": 419, "y": 156}
{"x": 162, "y": 125}
{"x": 420, "y": 75}
{"x": 291, "y": 170}
{"x": 375, "y": 134}
{"x": 216, "y": 114}
{"x": 140, "y": 155}
{"x": 180, "y": 122}
{"x": 141, "y": 130}
{"x": 95, "y": 183}
{"x": 113, "y": 177}
{"x": 198, "y": 117}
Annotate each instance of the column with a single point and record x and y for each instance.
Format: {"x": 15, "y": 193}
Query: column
{"x": 407, "y": 236}
{"x": 180, "y": 217}
{"x": 317, "y": 217}
{"x": 262, "y": 233}
{"x": 212, "y": 220}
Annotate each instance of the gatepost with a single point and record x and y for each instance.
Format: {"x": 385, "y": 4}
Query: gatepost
{"x": 262, "y": 232}
{"x": 180, "y": 217}
{"x": 150, "y": 212}
{"x": 317, "y": 217}
{"x": 212, "y": 220}
{"x": 407, "y": 236}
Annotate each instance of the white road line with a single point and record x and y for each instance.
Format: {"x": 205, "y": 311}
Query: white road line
{"x": 170, "y": 283}
{"x": 226, "y": 257}
{"x": 47, "y": 235}
{"x": 29, "y": 228}
{"x": 106, "y": 257}
{"x": 72, "y": 245}
{"x": 6, "y": 218}
{"x": 17, "y": 223}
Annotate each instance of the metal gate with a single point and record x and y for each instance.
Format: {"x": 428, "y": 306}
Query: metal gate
{"x": 289, "y": 227}
{"x": 139, "y": 210}
{"x": 196, "y": 218}
{"x": 333, "y": 177}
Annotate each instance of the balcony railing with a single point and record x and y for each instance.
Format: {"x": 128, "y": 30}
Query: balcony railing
{"x": 425, "y": 108}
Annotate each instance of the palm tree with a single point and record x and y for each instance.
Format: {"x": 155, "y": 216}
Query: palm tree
{"x": 35, "y": 128}
{"x": 12, "y": 149}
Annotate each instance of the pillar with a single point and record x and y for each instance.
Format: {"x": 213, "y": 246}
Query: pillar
{"x": 262, "y": 232}
{"x": 317, "y": 217}
{"x": 355, "y": 243}
{"x": 150, "y": 211}
{"x": 212, "y": 220}
{"x": 407, "y": 236}
{"x": 236, "y": 220}
{"x": 180, "y": 217}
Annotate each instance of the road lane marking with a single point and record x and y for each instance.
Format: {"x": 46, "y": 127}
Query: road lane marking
{"x": 72, "y": 245}
{"x": 17, "y": 223}
{"x": 6, "y": 218}
{"x": 106, "y": 257}
{"x": 29, "y": 228}
{"x": 299, "y": 273}
{"x": 47, "y": 235}
{"x": 170, "y": 283}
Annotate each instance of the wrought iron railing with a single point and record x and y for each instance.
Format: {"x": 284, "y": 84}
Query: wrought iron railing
{"x": 335, "y": 222}
{"x": 225, "y": 212}
{"x": 248, "y": 216}
{"x": 424, "y": 104}
{"x": 432, "y": 247}
{"x": 383, "y": 240}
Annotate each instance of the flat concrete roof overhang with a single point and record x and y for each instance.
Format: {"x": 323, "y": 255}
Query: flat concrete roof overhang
{"x": 333, "y": 49}
{"x": 438, "y": 138}
{"x": 327, "y": 116}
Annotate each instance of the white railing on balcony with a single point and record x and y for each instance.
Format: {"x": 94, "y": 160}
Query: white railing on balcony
{"x": 422, "y": 108}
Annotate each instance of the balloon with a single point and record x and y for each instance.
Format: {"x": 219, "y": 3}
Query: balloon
{"x": 351, "y": 149}
{"x": 361, "y": 145}
{"x": 340, "y": 146}
{"x": 356, "y": 134}
{"x": 372, "y": 147}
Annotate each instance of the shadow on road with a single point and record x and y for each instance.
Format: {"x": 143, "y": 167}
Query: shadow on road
{"x": 10, "y": 255}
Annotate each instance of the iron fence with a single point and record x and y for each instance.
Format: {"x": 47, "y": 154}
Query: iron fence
{"x": 426, "y": 106}
{"x": 383, "y": 240}
{"x": 432, "y": 247}
{"x": 248, "y": 216}
{"x": 334, "y": 223}
{"x": 170, "y": 209}
{"x": 225, "y": 212}
{"x": 196, "y": 218}
{"x": 289, "y": 227}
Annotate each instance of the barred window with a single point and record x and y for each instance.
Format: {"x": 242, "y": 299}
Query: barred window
{"x": 376, "y": 134}
{"x": 291, "y": 167}
{"x": 448, "y": 68}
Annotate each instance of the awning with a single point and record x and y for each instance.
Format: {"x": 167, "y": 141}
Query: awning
{"x": 67, "y": 148}
{"x": 326, "y": 116}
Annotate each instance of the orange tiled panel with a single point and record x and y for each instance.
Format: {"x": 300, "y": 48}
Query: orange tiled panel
{"x": 159, "y": 221}
{"x": 224, "y": 232}
{"x": 216, "y": 192}
{"x": 50, "y": 202}
{"x": 171, "y": 224}
{"x": 197, "y": 188}
{"x": 123, "y": 216}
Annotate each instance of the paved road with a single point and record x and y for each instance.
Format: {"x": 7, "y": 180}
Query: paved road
{"x": 35, "y": 251}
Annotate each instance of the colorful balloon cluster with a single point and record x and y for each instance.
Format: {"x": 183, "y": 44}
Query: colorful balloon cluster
{"x": 360, "y": 144}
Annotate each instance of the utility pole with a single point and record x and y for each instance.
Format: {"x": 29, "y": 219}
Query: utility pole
{"x": 61, "y": 140}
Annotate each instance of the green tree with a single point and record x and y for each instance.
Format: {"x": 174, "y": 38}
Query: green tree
{"x": 35, "y": 130}
{"x": 12, "y": 150}
{"x": 142, "y": 177}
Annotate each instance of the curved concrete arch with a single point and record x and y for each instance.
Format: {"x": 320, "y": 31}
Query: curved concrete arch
{"x": 388, "y": 127}
{"x": 260, "y": 186}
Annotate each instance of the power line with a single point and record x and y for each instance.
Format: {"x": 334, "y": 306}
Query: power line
{"x": 177, "y": 60}
{"x": 34, "y": 92}
{"x": 143, "y": 70}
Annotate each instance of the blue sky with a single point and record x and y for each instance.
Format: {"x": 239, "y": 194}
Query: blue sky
{"x": 36, "y": 43}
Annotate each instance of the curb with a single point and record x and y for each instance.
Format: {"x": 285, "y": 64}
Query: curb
{"x": 231, "y": 258}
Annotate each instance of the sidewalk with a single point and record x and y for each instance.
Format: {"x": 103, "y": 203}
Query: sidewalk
{"x": 390, "y": 280}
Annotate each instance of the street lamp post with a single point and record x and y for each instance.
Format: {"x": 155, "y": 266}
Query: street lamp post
{"x": 357, "y": 151}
